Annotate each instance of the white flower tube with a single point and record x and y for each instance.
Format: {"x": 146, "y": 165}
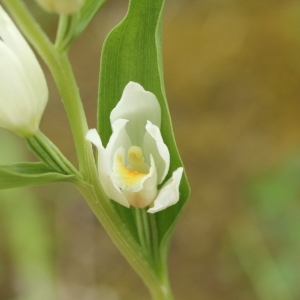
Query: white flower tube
{"x": 23, "y": 88}
{"x": 61, "y": 6}
{"x": 136, "y": 158}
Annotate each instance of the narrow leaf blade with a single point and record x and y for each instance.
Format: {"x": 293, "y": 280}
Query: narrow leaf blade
{"x": 29, "y": 174}
{"x": 132, "y": 52}
{"x": 87, "y": 12}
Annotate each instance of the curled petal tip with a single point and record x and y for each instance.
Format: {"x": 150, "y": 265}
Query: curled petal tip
{"x": 93, "y": 137}
{"x": 169, "y": 193}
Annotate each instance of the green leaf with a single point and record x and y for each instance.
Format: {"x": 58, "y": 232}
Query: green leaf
{"x": 71, "y": 26}
{"x": 133, "y": 52}
{"x": 29, "y": 174}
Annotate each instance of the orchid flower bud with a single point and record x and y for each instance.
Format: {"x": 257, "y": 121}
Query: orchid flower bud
{"x": 136, "y": 159}
{"x": 61, "y": 6}
{"x": 23, "y": 88}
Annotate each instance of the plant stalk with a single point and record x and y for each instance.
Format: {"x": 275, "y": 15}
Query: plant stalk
{"x": 143, "y": 263}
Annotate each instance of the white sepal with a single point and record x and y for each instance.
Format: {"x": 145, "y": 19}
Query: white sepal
{"x": 107, "y": 181}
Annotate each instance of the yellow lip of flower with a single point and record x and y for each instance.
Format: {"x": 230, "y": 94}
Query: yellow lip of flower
{"x": 136, "y": 160}
{"x": 130, "y": 178}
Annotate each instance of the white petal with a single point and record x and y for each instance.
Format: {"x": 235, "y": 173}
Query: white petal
{"x": 137, "y": 106}
{"x": 18, "y": 111}
{"x": 147, "y": 194}
{"x": 23, "y": 88}
{"x": 110, "y": 187}
{"x": 169, "y": 193}
{"x": 11, "y": 36}
{"x": 154, "y": 144}
{"x": 119, "y": 138}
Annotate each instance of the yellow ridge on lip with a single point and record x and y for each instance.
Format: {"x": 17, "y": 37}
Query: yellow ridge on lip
{"x": 136, "y": 160}
{"x": 130, "y": 177}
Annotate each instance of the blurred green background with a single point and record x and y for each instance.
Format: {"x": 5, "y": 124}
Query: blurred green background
{"x": 232, "y": 73}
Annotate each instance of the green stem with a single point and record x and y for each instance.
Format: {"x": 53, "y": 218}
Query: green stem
{"x": 140, "y": 229}
{"x": 154, "y": 240}
{"x": 148, "y": 236}
{"x": 62, "y": 28}
{"x": 146, "y": 228}
{"x": 142, "y": 223}
{"x": 66, "y": 27}
{"x": 159, "y": 261}
{"x": 66, "y": 83}
{"x": 125, "y": 242}
{"x": 62, "y": 73}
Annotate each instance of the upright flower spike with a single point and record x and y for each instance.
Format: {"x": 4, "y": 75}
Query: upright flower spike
{"x": 23, "y": 88}
{"x": 136, "y": 158}
{"x": 61, "y": 6}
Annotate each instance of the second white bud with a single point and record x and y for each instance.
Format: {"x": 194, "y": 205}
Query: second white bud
{"x": 61, "y": 6}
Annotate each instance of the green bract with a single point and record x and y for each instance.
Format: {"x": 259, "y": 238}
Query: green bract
{"x": 132, "y": 52}
{"x": 29, "y": 174}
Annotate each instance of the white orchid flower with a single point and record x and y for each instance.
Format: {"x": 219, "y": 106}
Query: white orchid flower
{"x": 23, "y": 88}
{"x": 136, "y": 158}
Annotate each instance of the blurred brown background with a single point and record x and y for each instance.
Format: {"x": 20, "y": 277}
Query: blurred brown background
{"x": 232, "y": 71}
